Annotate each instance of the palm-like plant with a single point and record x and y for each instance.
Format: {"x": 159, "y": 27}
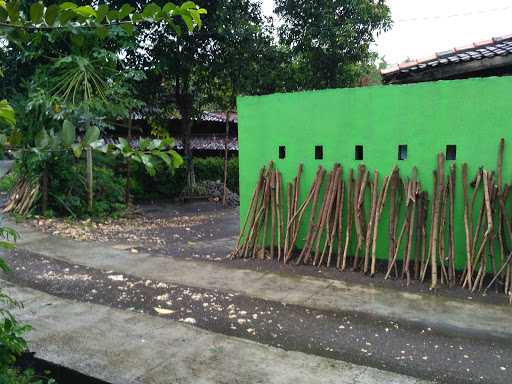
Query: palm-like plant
{"x": 80, "y": 78}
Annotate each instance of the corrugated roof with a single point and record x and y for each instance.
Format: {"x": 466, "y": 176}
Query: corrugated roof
{"x": 497, "y": 46}
{"x": 218, "y": 117}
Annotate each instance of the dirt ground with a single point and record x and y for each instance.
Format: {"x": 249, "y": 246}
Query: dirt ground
{"x": 206, "y": 231}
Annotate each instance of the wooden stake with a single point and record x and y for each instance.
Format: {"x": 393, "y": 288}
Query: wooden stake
{"x": 380, "y": 207}
{"x": 317, "y": 184}
{"x": 373, "y": 212}
{"x": 250, "y": 212}
{"x": 350, "y": 216}
{"x": 435, "y": 223}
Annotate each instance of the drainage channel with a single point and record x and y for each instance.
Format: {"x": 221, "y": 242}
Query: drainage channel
{"x": 59, "y": 373}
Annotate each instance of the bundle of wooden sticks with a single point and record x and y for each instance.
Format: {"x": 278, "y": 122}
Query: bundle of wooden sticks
{"x": 339, "y": 221}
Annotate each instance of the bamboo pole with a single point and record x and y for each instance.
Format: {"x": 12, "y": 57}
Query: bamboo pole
{"x": 435, "y": 223}
{"x": 359, "y": 212}
{"x": 380, "y": 207}
{"x": 337, "y": 221}
{"x": 369, "y": 231}
{"x": 350, "y": 216}
{"x": 393, "y": 214}
{"x": 273, "y": 213}
{"x": 324, "y": 218}
{"x": 279, "y": 209}
{"x": 451, "y": 229}
{"x": 296, "y": 220}
{"x": 467, "y": 226}
{"x": 413, "y": 191}
{"x": 317, "y": 184}
{"x": 432, "y": 213}
{"x": 250, "y": 212}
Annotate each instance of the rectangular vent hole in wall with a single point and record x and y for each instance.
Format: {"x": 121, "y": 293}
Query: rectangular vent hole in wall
{"x": 282, "y": 151}
{"x": 402, "y": 152}
{"x": 359, "y": 152}
{"x": 451, "y": 152}
{"x": 319, "y": 152}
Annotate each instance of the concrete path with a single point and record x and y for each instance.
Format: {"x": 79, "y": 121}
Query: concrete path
{"x": 5, "y": 167}
{"x": 125, "y": 347}
{"x": 452, "y": 315}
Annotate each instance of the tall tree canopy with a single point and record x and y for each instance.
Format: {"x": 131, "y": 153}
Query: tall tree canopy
{"x": 226, "y": 57}
{"x": 330, "y": 39}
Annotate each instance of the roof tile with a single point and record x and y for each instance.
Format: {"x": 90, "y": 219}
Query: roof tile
{"x": 407, "y": 64}
{"x": 501, "y": 45}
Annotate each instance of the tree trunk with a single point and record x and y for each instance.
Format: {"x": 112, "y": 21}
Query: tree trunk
{"x": 186, "y": 129}
{"x": 45, "y": 188}
{"x": 88, "y": 153}
{"x": 127, "y": 161}
{"x": 226, "y": 139}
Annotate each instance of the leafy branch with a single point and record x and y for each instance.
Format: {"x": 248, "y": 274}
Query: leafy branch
{"x": 70, "y": 16}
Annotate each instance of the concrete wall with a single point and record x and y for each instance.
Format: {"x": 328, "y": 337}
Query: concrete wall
{"x": 471, "y": 114}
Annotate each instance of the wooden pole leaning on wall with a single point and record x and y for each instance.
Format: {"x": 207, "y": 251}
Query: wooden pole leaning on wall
{"x": 435, "y": 221}
{"x": 295, "y": 224}
{"x": 467, "y": 223}
{"x": 451, "y": 249}
{"x": 342, "y": 264}
{"x": 394, "y": 213}
{"x": 250, "y": 214}
{"x": 323, "y": 224}
{"x": 313, "y": 194}
{"x": 253, "y": 216}
{"x": 380, "y": 206}
{"x": 337, "y": 229}
{"x": 359, "y": 213}
{"x": 373, "y": 211}
{"x": 90, "y": 193}
{"x": 413, "y": 191}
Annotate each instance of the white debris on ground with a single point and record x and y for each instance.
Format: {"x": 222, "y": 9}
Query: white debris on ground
{"x": 140, "y": 230}
{"x": 52, "y": 275}
{"x": 116, "y": 277}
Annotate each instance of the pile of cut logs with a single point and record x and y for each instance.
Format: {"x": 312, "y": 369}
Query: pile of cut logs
{"x": 22, "y": 196}
{"x": 339, "y": 221}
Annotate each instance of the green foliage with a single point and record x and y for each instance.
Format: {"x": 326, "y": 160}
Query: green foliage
{"x": 12, "y": 341}
{"x": 148, "y": 152}
{"x": 68, "y": 187}
{"x": 22, "y": 28}
{"x": 8, "y": 181}
{"x": 165, "y": 185}
{"x": 7, "y": 113}
{"x": 15, "y": 376}
{"x": 212, "y": 168}
{"x": 330, "y": 40}
{"x": 77, "y": 78}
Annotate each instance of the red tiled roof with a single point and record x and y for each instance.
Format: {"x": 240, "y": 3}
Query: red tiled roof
{"x": 497, "y": 46}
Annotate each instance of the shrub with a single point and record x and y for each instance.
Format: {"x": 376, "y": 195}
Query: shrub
{"x": 169, "y": 185}
{"x": 8, "y": 181}
{"x": 67, "y": 189}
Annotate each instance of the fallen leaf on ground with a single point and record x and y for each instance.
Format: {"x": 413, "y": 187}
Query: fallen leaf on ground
{"x": 163, "y": 311}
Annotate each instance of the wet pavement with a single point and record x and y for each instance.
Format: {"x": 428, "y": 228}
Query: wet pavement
{"x": 385, "y": 343}
{"x": 206, "y": 231}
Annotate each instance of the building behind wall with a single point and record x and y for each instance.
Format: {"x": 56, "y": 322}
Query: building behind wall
{"x": 403, "y": 125}
{"x": 486, "y": 58}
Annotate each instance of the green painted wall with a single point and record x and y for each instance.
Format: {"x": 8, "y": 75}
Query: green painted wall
{"x": 472, "y": 114}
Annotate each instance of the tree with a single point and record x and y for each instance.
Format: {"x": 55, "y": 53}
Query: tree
{"x": 78, "y": 81}
{"x": 243, "y": 40}
{"x": 230, "y": 55}
{"x": 330, "y": 40}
